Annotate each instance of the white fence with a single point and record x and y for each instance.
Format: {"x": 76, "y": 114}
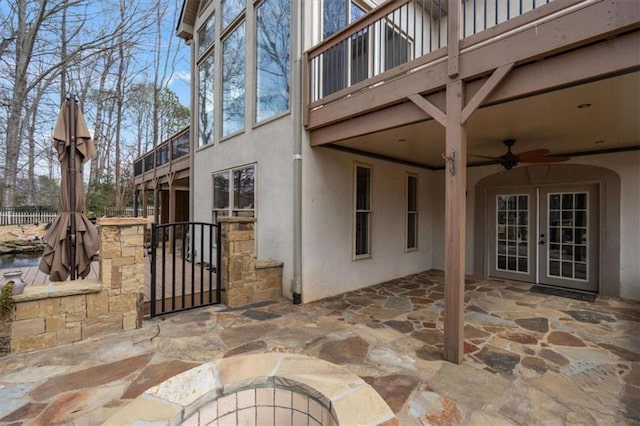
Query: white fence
{"x": 11, "y": 216}
{"x": 15, "y": 217}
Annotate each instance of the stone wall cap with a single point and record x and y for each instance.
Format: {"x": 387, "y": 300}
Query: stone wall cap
{"x": 268, "y": 263}
{"x": 64, "y": 288}
{"x": 235, "y": 219}
{"x": 123, "y": 221}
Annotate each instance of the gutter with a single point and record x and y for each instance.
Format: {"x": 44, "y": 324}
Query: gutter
{"x": 298, "y": 133}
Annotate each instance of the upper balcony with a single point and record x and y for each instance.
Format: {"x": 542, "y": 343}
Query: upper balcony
{"x": 402, "y": 48}
{"x": 170, "y": 157}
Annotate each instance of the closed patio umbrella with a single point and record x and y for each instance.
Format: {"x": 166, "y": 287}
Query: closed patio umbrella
{"x": 72, "y": 240}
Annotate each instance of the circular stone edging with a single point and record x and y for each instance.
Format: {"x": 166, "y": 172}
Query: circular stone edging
{"x": 349, "y": 398}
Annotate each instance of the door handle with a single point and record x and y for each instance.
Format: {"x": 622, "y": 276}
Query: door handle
{"x": 541, "y": 242}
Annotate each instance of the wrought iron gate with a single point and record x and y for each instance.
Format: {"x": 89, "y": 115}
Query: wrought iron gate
{"x": 185, "y": 272}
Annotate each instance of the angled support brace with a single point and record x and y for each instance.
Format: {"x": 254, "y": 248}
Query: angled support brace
{"x": 498, "y": 75}
{"x": 432, "y": 110}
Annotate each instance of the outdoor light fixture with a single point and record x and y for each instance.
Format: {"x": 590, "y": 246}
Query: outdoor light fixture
{"x": 583, "y": 106}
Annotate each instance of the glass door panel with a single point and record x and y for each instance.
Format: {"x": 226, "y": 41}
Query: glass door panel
{"x": 512, "y": 243}
{"x": 512, "y": 253}
{"x": 569, "y": 217}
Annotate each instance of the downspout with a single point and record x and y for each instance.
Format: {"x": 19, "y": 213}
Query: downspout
{"x": 298, "y": 133}
{"x": 193, "y": 130}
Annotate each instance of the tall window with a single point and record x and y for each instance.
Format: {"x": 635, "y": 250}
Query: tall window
{"x": 233, "y": 71}
{"x": 396, "y": 47}
{"x": 234, "y": 193}
{"x": 206, "y": 34}
{"x": 272, "y": 58}
{"x": 359, "y": 48}
{"x": 336, "y": 63}
{"x": 230, "y": 10}
{"x": 205, "y": 101}
{"x": 412, "y": 212}
{"x": 362, "y": 211}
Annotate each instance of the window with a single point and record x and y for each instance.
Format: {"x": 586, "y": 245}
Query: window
{"x": 234, "y": 193}
{"x": 162, "y": 156}
{"x": 362, "y": 211}
{"x": 205, "y": 101}
{"x": 396, "y": 48}
{"x": 233, "y": 70}
{"x": 272, "y": 58}
{"x": 412, "y": 212}
{"x": 206, "y": 34}
{"x": 335, "y": 65}
{"x": 230, "y": 10}
{"x": 180, "y": 146}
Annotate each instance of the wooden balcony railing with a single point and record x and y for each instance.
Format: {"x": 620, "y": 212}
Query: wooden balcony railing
{"x": 394, "y": 38}
{"x": 167, "y": 152}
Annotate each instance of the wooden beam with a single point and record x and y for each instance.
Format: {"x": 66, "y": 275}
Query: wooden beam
{"x": 378, "y": 156}
{"x": 570, "y": 69}
{"x": 441, "y": 54}
{"x": 383, "y": 119}
{"x": 429, "y": 108}
{"x": 486, "y": 89}
{"x": 549, "y": 38}
{"x": 559, "y": 71}
{"x": 144, "y": 199}
{"x": 453, "y": 42}
{"x": 455, "y": 224}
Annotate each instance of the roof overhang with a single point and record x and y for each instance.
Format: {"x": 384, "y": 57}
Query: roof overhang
{"x": 187, "y": 19}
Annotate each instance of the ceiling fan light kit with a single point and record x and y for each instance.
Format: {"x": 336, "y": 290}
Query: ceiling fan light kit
{"x": 509, "y": 160}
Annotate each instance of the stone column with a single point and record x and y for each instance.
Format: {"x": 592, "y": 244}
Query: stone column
{"x": 244, "y": 279}
{"x": 122, "y": 267}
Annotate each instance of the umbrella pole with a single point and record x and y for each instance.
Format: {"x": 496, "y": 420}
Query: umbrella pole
{"x": 72, "y": 185}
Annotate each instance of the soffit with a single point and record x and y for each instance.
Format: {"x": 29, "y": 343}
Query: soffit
{"x": 187, "y": 18}
{"x": 550, "y": 120}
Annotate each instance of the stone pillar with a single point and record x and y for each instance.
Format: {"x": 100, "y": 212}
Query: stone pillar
{"x": 122, "y": 267}
{"x": 244, "y": 279}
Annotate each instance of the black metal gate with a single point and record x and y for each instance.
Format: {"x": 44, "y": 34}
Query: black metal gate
{"x": 183, "y": 273}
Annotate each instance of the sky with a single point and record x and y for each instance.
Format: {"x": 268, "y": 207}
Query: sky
{"x": 178, "y": 72}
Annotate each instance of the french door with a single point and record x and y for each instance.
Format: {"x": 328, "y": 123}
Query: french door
{"x": 546, "y": 235}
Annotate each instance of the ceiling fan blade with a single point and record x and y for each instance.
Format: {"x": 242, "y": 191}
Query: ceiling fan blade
{"x": 533, "y": 154}
{"x": 558, "y": 159}
{"x": 485, "y": 156}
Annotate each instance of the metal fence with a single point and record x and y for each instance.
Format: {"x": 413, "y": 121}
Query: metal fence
{"x": 184, "y": 266}
{"x": 123, "y": 212}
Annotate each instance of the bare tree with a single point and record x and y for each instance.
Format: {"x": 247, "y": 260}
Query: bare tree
{"x": 34, "y": 25}
{"x": 101, "y": 51}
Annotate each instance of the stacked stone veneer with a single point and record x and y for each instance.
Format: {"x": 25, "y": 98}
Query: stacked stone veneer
{"x": 244, "y": 278}
{"x": 60, "y": 313}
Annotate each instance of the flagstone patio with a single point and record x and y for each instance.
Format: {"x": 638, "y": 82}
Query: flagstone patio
{"x": 529, "y": 358}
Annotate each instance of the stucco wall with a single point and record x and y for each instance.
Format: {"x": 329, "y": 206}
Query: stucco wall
{"x": 328, "y": 224}
{"x": 270, "y": 147}
{"x": 626, "y": 164}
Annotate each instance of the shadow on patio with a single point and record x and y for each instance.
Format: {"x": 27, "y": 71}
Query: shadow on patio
{"x": 529, "y": 358}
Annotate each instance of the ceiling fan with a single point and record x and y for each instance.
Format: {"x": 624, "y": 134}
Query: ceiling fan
{"x": 509, "y": 160}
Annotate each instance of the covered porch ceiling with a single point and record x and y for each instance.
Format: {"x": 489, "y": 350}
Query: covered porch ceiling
{"x": 596, "y": 116}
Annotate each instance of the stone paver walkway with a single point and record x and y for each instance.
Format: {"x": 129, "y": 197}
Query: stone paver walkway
{"x": 529, "y": 358}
